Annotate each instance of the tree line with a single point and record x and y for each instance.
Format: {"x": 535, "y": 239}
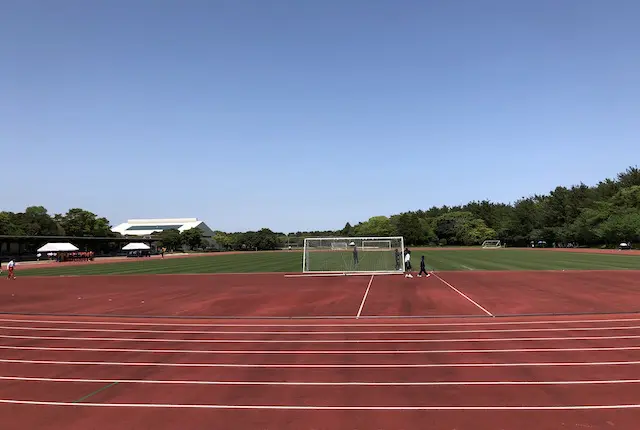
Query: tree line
{"x": 603, "y": 214}
{"x": 36, "y": 221}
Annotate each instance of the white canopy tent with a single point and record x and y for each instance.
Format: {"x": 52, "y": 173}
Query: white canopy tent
{"x": 58, "y": 247}
{"x": 135, "y": 246}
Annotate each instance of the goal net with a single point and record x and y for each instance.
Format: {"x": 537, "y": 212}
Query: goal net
{"x": 491, "y": 244}
{"x": 353, "y": 255}
{"x": 376, "y": 244}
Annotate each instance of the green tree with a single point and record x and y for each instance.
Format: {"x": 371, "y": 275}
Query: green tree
{"x": 629, "y": 177}
{"x": 267, "y": 240}
{"x": 408, "y": 226}
{"x": 377, "y": 226}
{"x": 9, "y": 224}
{"x": 79, "y": 222}
{"x": 192, "y": 238}
{"x": 621, "y": 227}
{"x": 347, "y": 230}
{"x": 222, "y": 240}
{"x": 171, "y": 239}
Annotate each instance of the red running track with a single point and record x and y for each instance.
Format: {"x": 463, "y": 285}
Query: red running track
{"x": 465, "y": 372}
{"x": 506, "y": 373}
{"x": 471, "y": 294}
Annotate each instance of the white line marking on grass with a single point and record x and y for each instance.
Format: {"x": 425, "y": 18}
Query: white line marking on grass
{"x": 364, "y": 299}
{"x": 325, "y": 274}
{"x": 319, "y": 407}
{"x": 179, "y": 340}
{"x": 345, "y": 325}
{"x": 311, "y": 332}
{"x": 321, "y": 352}
{"x": 463, "y": 295}
{"x": 322, "y": 366}
{"x": 314, "y": 275}
{"x": 319, "y": 384}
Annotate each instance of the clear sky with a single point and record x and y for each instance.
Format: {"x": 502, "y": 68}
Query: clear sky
{"x": 301, "y": 114}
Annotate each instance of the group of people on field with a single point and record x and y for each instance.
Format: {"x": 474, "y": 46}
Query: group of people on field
{"x": 407, "y": 264}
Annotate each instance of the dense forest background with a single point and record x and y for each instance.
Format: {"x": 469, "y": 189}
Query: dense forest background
{"x": 607, "y": 214}
{"x": 604, "y": 214}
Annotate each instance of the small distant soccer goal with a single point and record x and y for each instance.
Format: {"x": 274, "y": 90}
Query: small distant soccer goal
{"x": 372, "y": 244}
{"x": 353, "y": 255}
{"x": 491, "y": 244}
{"x": 335, "y": 246}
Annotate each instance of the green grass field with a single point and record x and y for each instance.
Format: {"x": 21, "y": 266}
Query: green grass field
{"x": 439, "y": 260}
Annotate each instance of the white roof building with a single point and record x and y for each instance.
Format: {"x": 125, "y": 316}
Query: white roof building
{"x": 148, "y": 227}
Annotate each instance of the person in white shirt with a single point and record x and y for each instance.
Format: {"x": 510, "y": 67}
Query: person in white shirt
{"x": 10, "y": 268}
{"x": 407, "y": 263}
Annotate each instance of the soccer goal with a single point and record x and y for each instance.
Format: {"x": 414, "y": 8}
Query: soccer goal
{"x": 491, "y": 244}
{"x": 353, "y": 255}
{"x": 336, "y": 246}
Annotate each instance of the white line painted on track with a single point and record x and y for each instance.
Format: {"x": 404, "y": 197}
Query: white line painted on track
{"x": 359, "y": 341}
{"x": 320, "y": 384}
{"x": 364, "y": 298}
{"x": 462, "y": 294}
{"x": 322, "y": 352}
{"x": 320, "y": 407}
{"x": 321, "y": 366}
{"x": 311, "y": 332}
{"x": 480, "y": 322}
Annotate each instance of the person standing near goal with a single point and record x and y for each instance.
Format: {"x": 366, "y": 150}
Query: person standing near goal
{"x": 355, "y": 255}
{"x": 407, "y": 263}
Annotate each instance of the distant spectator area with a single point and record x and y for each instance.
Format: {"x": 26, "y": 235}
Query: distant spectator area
{"x": 149, "y": 227}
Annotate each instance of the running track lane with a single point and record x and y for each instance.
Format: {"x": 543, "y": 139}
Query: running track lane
{"x": 352, "y": 416}
{"x": 539, "y": 292}
{"x": 267, "y": 295}
{"x": 82, "y": 418}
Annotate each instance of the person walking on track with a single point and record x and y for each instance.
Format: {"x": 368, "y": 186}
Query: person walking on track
{"x": 423, "y": 269}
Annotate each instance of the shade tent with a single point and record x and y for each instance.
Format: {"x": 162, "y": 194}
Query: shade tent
{"x": 58, "y": 247}
{"x": 136, "y": 247}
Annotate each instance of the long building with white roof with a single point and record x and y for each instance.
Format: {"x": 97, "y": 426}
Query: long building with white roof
{"x": 148, "y": 227}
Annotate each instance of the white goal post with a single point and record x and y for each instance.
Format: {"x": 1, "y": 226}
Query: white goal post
{"x": 353, "y": 255}
{"x": 376, "y": 244}
{"x": 491, "y": 244}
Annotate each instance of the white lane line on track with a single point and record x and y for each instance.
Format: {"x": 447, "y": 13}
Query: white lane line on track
{"x": 320, "y": 407}
{"x": 310, "y": 332}
{"x": 322, "y": 366}
{"x": 345, "y": 325}
{"x": 319, "y": 384}
{"x": 364, "y": 299}
{"x": 321, "y": 352}
{"x": 476, "y": 304}
{"x": 298, "y": 341}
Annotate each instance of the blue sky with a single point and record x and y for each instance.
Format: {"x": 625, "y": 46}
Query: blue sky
{"x": 300, "y": 114}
